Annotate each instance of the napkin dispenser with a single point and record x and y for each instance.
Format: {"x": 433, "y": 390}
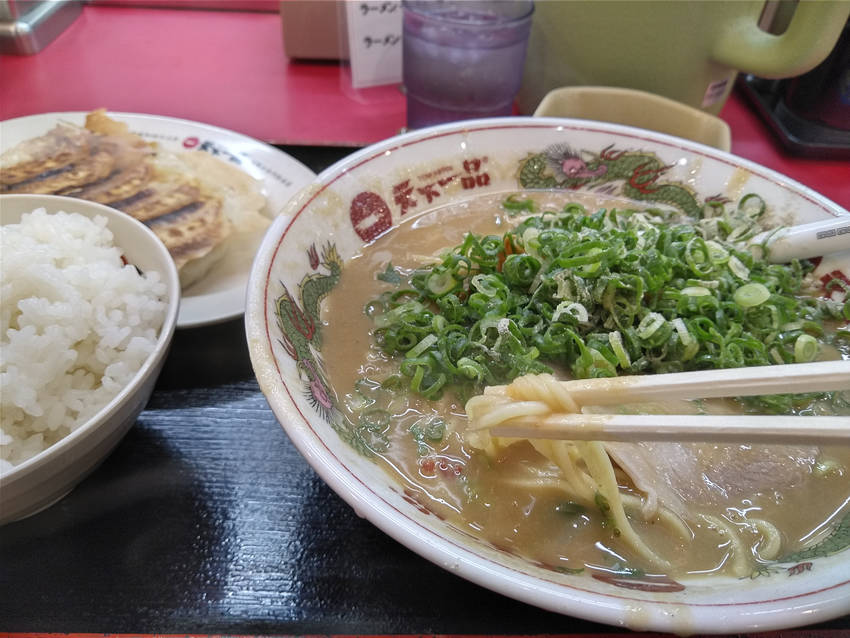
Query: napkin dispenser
{"x": 27, "y": 26}
{"x": 314, "y": 30}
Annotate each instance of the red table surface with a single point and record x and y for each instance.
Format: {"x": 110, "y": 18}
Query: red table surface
{"x": 228, "y": 68}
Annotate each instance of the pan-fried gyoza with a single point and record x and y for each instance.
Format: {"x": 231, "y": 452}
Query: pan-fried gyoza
{"x": 194, "y": 202}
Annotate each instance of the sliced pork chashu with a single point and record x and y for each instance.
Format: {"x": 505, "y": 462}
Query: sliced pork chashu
{"x": 680, "y": 476}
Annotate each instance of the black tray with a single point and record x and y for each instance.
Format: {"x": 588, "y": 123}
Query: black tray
{"x": 798, "y": 135}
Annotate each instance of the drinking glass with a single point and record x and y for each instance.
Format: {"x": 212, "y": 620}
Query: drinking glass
{"x": 463, "y": 59}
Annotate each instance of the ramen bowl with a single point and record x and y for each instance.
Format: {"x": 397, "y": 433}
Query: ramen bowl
{"x": 356, "y": 202}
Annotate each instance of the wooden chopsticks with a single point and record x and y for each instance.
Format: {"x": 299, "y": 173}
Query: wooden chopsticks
{"x": 726, "y": 428}
{"x": 763, "y": 380}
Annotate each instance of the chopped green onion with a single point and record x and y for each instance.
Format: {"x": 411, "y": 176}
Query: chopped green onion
{"x": 695, "y": 291}
{"x": 573, "y": 309}
{"x": 752, "y": 205}
{"x": 828, "y": 467}
{"x": 513, "y": 204}
{"x": 520, "y": 269}
{"x": 570, "y": 509}
{"x": 422, "y": 346}
{"x": 649, "y": 324}
{"x": 738, "y": 268}
{"x": 717, "y": 253}
{"x": 751, "y": 295}
{"x": 614, "y": 291}
{"x": 690, "y": 344}
{"x": 390, "y": 275}
{"x": 616, "y": 341}
{"x": 806, "y": 348}
{"x": 441, "y": 283}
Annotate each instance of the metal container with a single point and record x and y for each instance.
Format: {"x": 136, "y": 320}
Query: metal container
{"x": 27, "y": 26}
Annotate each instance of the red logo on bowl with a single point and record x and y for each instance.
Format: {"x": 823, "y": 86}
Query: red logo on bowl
{"x": 370, "y": 215}
{"x": 191, "y": 142}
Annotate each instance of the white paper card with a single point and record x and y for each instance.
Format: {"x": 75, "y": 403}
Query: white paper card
{"x": 374, "y": 40}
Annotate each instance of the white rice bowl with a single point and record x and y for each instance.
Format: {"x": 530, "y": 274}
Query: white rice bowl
{"x": 89, "y": 299}
{"x": 77, "y": 325}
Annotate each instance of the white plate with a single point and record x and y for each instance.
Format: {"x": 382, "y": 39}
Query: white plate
{"x": 220, "y": 295}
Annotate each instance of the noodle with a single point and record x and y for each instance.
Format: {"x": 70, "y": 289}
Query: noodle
{"x": 740, "y": 564}
{"x": 598, "y": 477}
{"x": 536, "y": 395}
{"x": 771, "y": 543}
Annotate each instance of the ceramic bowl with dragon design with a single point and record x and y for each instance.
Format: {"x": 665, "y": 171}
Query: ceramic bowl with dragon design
{"x": 367, "y": 194}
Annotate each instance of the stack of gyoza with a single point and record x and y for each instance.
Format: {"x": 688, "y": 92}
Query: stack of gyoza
{"x": 194, "y": 202}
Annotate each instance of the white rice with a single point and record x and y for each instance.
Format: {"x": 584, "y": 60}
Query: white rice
{"x": 76, "y": 322}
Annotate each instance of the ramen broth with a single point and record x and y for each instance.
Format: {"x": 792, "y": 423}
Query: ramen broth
{"x": 514, "y": 501}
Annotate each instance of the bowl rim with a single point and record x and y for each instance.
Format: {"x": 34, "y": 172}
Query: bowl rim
{"x": 166, "y": 332}
{"x": 430, "y": 543}
{"x": 425, "y": 12}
